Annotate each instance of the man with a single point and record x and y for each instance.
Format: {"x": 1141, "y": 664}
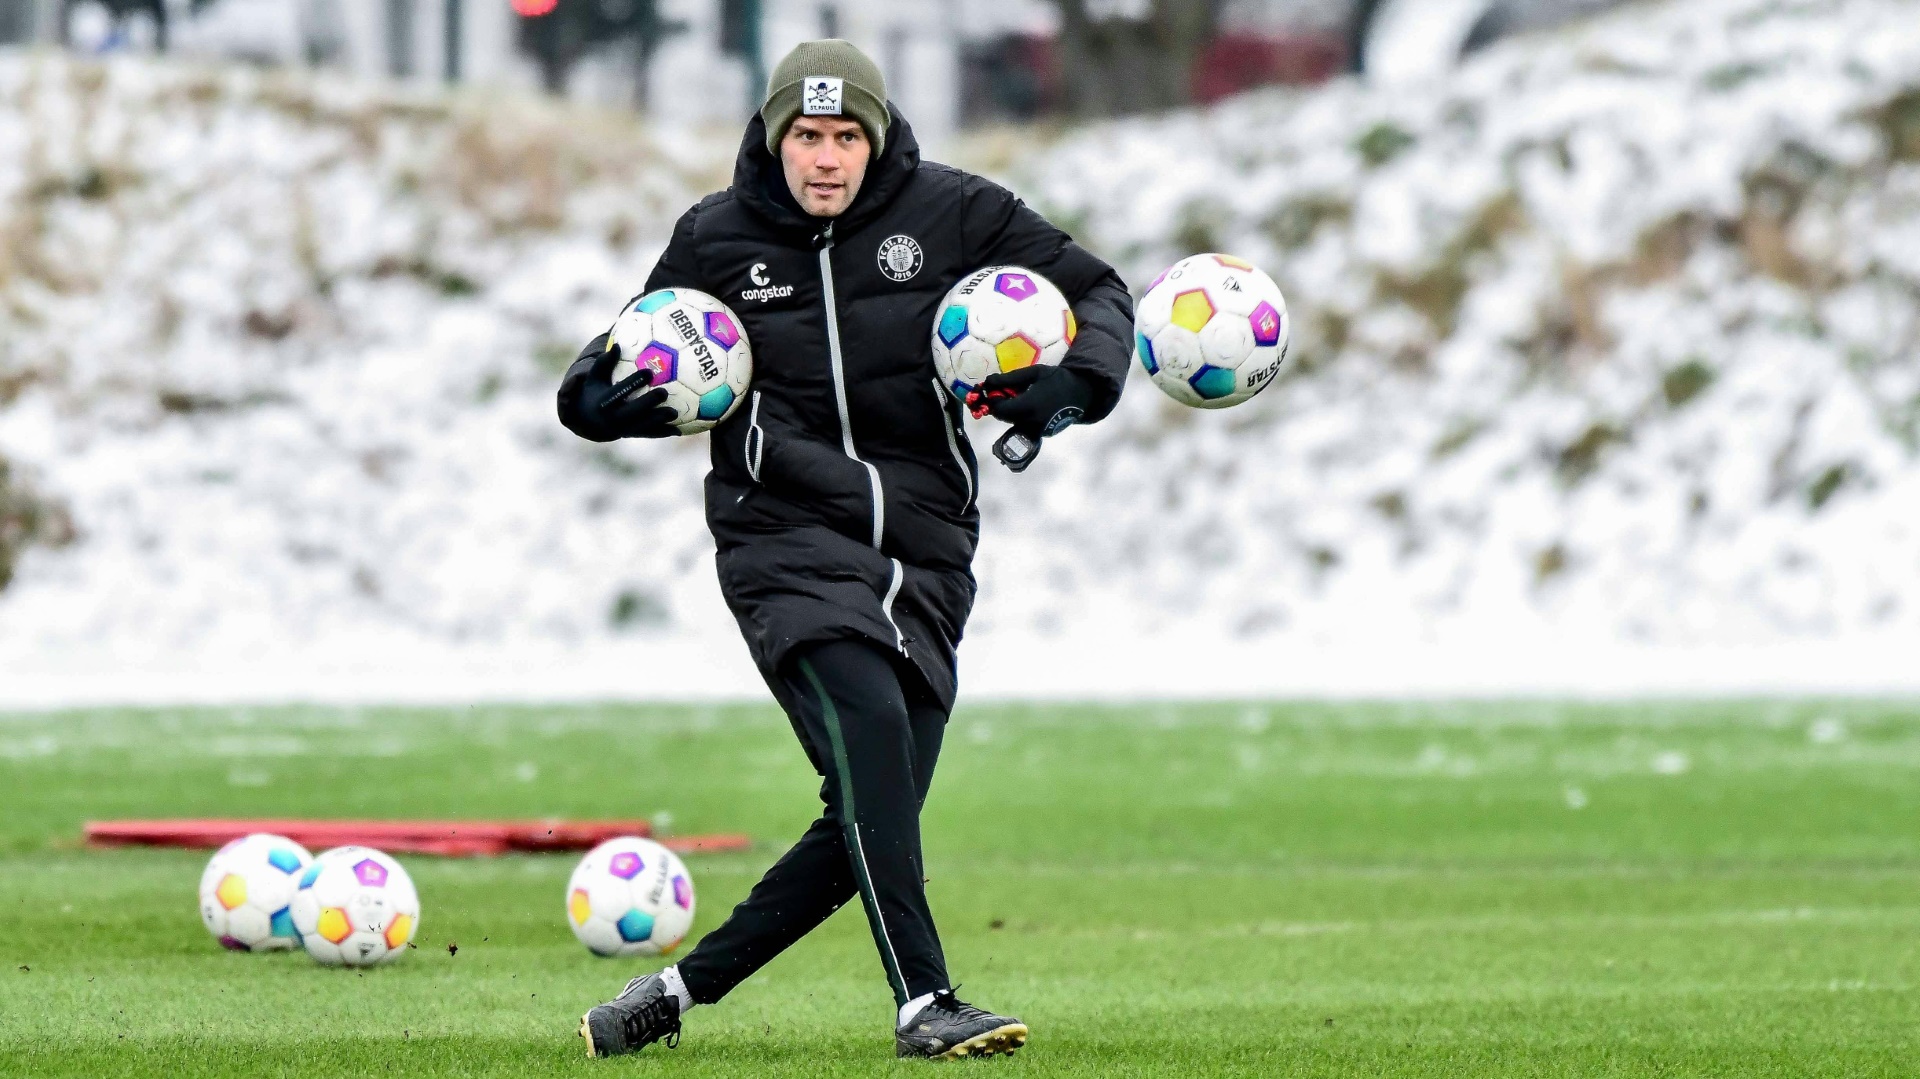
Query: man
{"x": 841, "y": 500}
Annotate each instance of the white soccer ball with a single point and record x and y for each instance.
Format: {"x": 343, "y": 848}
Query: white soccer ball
{"x": 695, "y": 347}
{"x": 630, "y": 896}
{"x": 1212, "y": 331}
{"x": 999, "y": 320}
{"x": 246, "y": 889}
{"x": 355, "y": 907}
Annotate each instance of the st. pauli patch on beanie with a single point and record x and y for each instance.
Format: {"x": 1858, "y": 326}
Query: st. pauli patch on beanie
{"x": 826, "y": 78}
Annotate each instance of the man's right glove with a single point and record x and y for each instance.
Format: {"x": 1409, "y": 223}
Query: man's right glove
{"x": 595, "y": 407}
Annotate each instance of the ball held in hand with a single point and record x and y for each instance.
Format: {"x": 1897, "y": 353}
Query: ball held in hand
{"x": 995, "y": 321}
{"x": 692, "y": 346}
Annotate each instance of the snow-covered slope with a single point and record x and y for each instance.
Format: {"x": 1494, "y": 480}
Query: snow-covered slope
{"x": 287, "y": 353}
{"x": 1607, "y": 380}
{"x": 1613, "y": 336}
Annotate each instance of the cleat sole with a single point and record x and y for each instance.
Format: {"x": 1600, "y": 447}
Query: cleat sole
{"x": 587, "y": 1034}
{"x": 996, "y": 1041}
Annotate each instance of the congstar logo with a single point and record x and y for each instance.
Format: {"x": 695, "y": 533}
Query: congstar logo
{"x": 767, "y": 290}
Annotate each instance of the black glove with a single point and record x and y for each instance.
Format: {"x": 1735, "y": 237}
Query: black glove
{"x": 594, "y": 407}
{"x": 1039, "y": 401}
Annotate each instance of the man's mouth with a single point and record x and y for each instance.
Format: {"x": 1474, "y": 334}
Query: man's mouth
{"x": 825, "y": 189}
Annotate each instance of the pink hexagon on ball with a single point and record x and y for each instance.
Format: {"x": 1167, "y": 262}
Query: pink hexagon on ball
{"x": 661, "y": 360}
{"x": 1266, "y": 325}
{"x": 1015, "y": 286}
{"x": 721, "y": 330}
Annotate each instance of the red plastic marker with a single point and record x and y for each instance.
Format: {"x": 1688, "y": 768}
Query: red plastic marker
{"x": 449, "y": 837}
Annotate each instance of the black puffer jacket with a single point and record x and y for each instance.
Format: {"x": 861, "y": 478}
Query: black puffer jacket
{"x": 842, "y": 491}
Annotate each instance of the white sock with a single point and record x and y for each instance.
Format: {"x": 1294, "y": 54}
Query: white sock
{"x": 670, "y": 977}
{"x": 912, "y": 1008}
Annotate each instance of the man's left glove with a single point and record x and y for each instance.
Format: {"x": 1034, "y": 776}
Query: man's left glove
{"x": 1039, "y": 401}
{"x": 594, "y": 407}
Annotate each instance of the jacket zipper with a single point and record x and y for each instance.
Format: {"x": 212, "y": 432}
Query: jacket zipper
{"x": 953, "y": 442}
{"x": 846, "y": 431}
{"x": 756, "y": 443}
{"x": 886, "y": 605}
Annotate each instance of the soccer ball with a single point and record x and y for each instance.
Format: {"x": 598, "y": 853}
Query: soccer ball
{"x": 694, "y": 346}
{"x": 245, "y": 891}
{"x": 1212, "y": 331}
{"x": 997, "y": 320}
{"x": 630, "y": 896}
{"x": 355, "y": 907}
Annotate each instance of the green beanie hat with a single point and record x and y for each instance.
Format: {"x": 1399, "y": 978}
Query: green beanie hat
{"x": 826, "y": 78}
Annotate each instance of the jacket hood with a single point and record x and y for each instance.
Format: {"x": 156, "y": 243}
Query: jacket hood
{"x": 761, "y": 184}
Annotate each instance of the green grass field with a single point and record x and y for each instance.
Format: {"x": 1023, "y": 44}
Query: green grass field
{"x": 1420, "y": 890}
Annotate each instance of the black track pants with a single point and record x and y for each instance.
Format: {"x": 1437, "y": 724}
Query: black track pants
{"x": 874, "y": 736}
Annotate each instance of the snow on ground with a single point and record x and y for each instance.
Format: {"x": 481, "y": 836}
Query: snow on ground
{"x": 1607, "y": 381}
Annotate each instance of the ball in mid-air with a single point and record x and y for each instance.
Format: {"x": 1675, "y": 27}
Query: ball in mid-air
{"x": 696, "y": 348}
{"x": 246, "y": 890}
{"x": 355, "y": 907}
{"x": 1212, "y": 331}
{"x": 998, "y": 320}
{"x": 630, "y": 896}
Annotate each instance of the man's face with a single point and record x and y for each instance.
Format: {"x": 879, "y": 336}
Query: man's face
{"x": 825, "y": 159}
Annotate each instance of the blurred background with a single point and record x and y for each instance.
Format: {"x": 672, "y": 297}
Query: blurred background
{"x": 950, "y": 65}
{"x": 1605, "y": 372}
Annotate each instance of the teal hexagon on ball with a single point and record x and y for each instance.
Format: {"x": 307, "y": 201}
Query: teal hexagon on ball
{"x": 1212, "y": 383}
{"x": 715, "y": 402}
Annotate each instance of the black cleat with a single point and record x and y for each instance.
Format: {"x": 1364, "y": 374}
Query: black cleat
{"x": 949, "y": 1029}
{"x": 642, "y": 1014}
